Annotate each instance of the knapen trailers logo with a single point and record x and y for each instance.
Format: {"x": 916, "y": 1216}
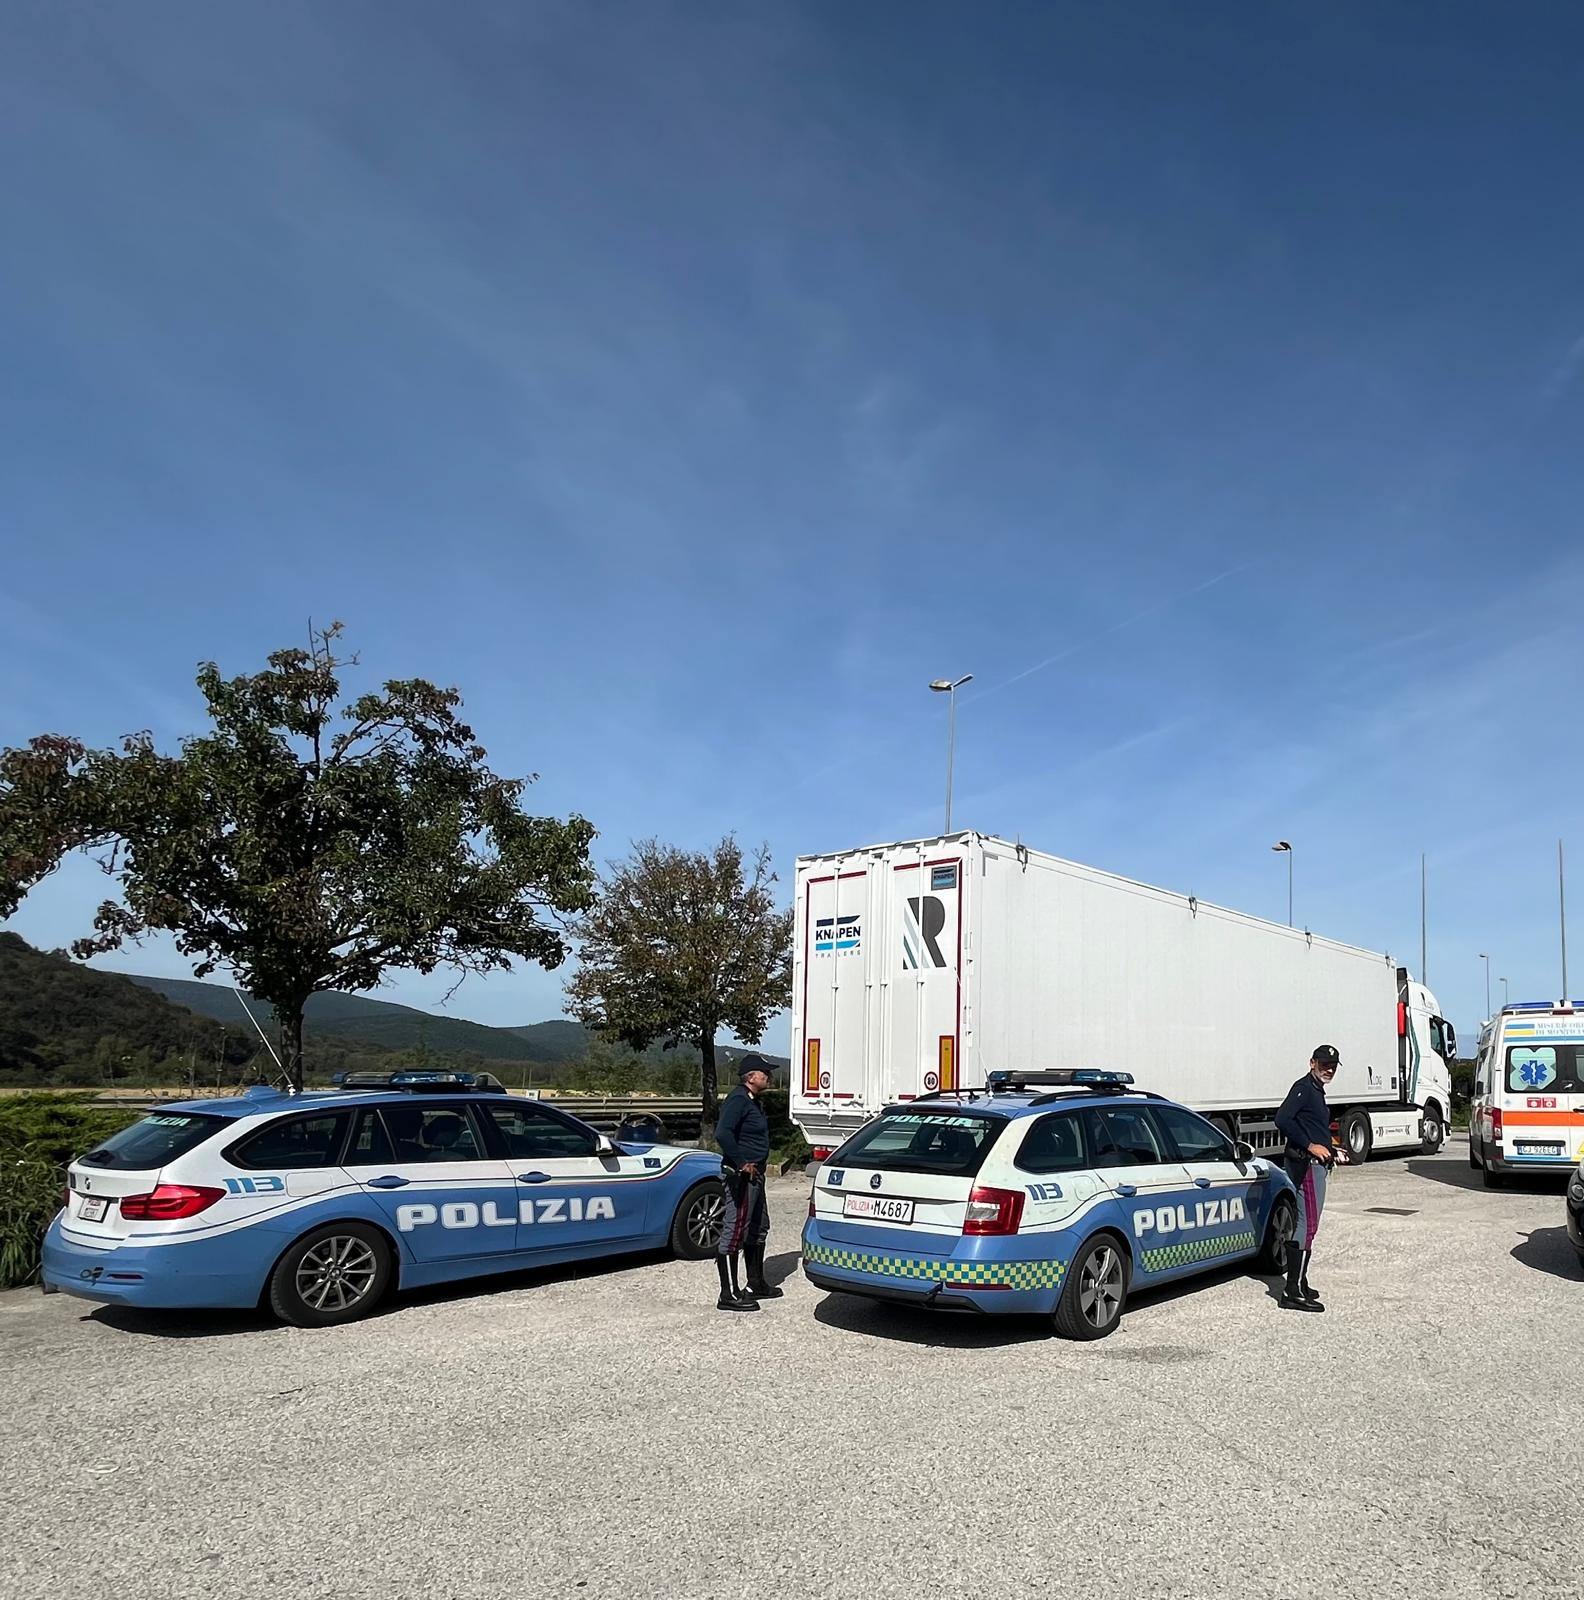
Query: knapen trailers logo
{"x": 838, "y": 936}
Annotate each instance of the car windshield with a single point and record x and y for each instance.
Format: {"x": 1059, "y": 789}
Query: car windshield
{"x": 945, "y": 1143}
{"x": 1545, "y": 1069}
{"x": 153, "y": 1141}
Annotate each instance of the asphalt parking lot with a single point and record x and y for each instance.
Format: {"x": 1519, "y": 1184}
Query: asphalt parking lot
{"x": 605, "y": 1432}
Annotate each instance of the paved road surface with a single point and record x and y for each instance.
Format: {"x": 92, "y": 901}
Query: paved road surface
{"x": 606, "y": 1433}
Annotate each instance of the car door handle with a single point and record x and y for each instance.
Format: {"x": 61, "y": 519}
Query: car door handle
{"x": 1201, "y": 1183}
{"x": 533, "y": 1177}
{"x": 1127, "y": 1190}
{"x": 389, "y": 1181}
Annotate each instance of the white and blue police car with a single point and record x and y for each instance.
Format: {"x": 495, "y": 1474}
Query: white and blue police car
{"x": 1046, "y": 1193}
{"x": 316, "y": 1204}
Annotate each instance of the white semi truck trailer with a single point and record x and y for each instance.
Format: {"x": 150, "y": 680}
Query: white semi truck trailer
{"x": 921, "y": 967}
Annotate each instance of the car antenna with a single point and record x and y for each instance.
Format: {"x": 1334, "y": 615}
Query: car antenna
{"x": 265, "y": 1037}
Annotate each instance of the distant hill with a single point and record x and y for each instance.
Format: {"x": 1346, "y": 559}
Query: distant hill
{"x": 351, "y": 1017}
{"x": 63, "y": 1022}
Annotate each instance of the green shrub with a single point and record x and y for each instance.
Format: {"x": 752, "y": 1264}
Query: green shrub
{"x": 39, "y": 1135}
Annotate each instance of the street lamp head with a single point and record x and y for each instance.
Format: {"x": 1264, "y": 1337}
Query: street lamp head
{"x": 945, "y": 685}
{"x": 1281, "y": 844}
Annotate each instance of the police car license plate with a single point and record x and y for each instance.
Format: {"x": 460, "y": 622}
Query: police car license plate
{"x": 93, "y": 1208}
{"x": 881, "y": 1207}
{"x": 1536, "y": 1147}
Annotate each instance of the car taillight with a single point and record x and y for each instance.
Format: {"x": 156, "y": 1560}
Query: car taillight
{"x": 168, "y": 1202}
{"x": 1402, "y": 1020}
{"x": 822, "y": 1152}
{"x": 993, "y": 1211}
{"x": 1496, "y": 1123}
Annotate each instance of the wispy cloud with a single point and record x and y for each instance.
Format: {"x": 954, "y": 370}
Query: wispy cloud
{"x": 1089, "y": 640}
{"x": 1567, "y": 370}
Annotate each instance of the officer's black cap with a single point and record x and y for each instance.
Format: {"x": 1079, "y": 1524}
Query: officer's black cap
{"x": 1326, "y": 1056}
{"x": 753, "y": 1063}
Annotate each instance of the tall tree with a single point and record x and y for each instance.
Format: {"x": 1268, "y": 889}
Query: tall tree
{"x": 680, "y": 944}
{"x": 299, "y": 846}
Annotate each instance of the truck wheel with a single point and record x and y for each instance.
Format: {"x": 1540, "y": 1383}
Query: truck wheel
{"x": 696, "y": 1227}
{"x": 1358, "y": 1138}
{"x": 1091, "y": 1301}
{"x": 1432, "y": 1131}
{"x": 1271, "y": 1262}
{"x": 335, "y": 1274}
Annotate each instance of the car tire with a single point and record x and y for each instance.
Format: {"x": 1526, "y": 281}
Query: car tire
{"x": 1094, "y": 1291}
{"x": 1432, "y": 1132}
{"x": 1358, "y": 1137}
{"x": 335, "y": 1274}
{"x": 1271, "y": 1262}
{"x": 1474, "y": 1160}
{"x": 696, "y": 1226}
{"x": 1493, "y": 1180}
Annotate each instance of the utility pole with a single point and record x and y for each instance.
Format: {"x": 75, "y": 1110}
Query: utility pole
{"x": 1282, "y": 846}
{"x": 1562, "y": 910}
{"x": 1423, "y": 924}
{"x": 1486, "y": 959}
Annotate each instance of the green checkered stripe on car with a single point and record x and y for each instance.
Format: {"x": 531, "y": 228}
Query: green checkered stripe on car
{"x": 1166, "y": 1256}
{"x": 936, "y": 1269}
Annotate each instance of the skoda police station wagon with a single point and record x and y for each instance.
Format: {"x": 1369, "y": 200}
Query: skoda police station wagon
{"x": 316, "y": 1204}
{"x": 1051, "y": 1193}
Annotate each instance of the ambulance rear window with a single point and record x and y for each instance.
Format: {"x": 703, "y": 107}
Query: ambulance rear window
{"x": 157, "y": 1139}
{"x": 946, "y": 1144}
{"x": 1545, "y": 1069}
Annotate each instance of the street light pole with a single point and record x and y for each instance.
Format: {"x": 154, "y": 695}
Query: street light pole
{"x": 1282, "y": 846}
{"x": 949, "y": 688}
{"x": 1486, "y": 959}
{"x": 1503, "y": 983}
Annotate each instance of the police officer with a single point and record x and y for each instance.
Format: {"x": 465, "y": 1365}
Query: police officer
{"x": 1305, "y": 1122}
{"x": 743, "y": 1133}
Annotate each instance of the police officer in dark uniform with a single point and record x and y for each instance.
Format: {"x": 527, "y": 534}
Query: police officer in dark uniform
{"x": 1304, "y": 1120}
{"x": 743, "y": 1134}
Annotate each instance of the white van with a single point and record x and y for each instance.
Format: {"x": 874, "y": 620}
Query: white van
{"x": 1528, "y": 1109}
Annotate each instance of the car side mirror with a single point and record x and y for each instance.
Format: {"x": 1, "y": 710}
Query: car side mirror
{"x": 1242, "y": 1151}
{"x": 604, "y": 1145}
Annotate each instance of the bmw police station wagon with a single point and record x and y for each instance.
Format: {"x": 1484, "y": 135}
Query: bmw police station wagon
{"x": 318, "y": 1203}
{"x": 1047, "y": 1192}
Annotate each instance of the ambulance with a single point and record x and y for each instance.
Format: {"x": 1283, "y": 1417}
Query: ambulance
{"x": 1527, "y": 1113}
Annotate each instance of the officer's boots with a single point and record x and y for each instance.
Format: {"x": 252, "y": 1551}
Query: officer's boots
{"x": 757, "y": 1286}
{"x": 731, "y": 1297}
{"x": 1296, "y": 1294}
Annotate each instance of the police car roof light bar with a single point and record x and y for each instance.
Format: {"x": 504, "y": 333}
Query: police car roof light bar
{"x": 422, "y": 1082}
{"x": 1058, "y": 1077}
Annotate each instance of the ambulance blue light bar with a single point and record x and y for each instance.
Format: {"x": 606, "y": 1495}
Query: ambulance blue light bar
{"x": 1555, "y": 1007}
{"x": 1057, "y": 1078}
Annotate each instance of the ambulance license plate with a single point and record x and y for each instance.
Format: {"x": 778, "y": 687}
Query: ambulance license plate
{"x": 881, "y": 1207}
{"x": 1534, "y": 1147}
{"x": 93, "y": 1208}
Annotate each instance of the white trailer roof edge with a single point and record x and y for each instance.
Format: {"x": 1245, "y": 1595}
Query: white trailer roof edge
{"x": 1192, "y": 903}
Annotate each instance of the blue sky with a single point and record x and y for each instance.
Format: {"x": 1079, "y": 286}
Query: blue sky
{"x": 691, "y": 384}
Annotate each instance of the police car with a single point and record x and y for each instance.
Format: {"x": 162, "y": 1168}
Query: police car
{"x": 1050, "y": 1193}
{"x": 318, "y": 1203}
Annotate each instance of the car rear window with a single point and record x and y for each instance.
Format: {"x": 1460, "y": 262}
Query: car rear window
{"x": 154, "y": 1141}
{"x": 916, "y": 1141}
